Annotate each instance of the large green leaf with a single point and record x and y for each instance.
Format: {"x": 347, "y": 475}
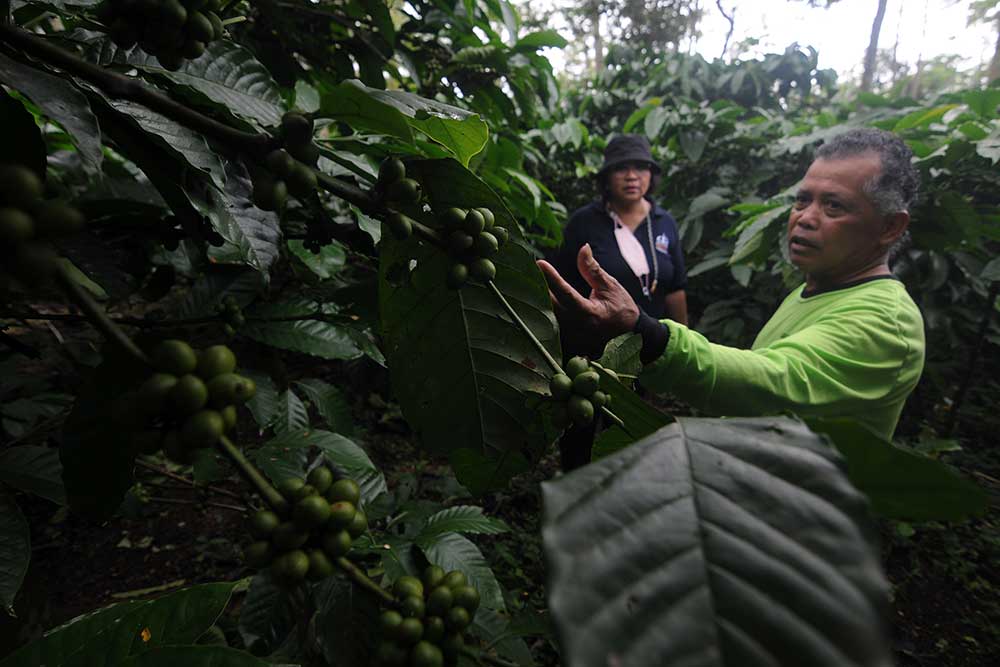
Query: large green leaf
{"x": 191, "y": 191}
{"x": 174, "y": 137}
{"x": 253, "y": 231}
{"x": 715, "y": 542}
{"x": 639, "y": 417}
{"x": 539, "y": 40}
{"x": 399, "y": 113}
{"x": 451, "y": 551}
{"x": 264, "y": 404}
{"x": 62, "y": 102}
{"x": 300, "y": 332}
{"x": 35, "y": 470}
{"x": 504, "y": 635}
{"x": 109, "y": 636}
{"x": 15, "y": 550}
{"x": 214, "y": 285}
{"x": 292, "y": 414}
{"x": 226, "y": 73}
{"x": 901, "y": 484}
{"x": 346, "y": 623}
{"x": 353, "y": 461}
{"x": 460, "y": 367}
{"x": 331, "y": 404}
{"x": 195, "y": 656}
{"x": 267, "y": 614}
{"x": 459, "y": 519}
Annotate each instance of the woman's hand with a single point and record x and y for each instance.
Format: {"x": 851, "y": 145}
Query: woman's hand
{"x": 607, "y": 312}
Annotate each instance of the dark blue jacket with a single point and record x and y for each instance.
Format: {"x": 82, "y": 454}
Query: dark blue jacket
{"x": 591, "y": 224}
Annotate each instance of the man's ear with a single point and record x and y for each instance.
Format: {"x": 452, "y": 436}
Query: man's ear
{"x": 894, "y": 226}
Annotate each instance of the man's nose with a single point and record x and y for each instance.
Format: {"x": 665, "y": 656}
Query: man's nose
{"x": 807, "y": 217}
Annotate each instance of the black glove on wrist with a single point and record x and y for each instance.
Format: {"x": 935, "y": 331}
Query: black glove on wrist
{"x": 655, "y": 336}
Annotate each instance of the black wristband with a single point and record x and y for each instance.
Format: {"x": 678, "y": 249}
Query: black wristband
{"x": 655, "y": 336}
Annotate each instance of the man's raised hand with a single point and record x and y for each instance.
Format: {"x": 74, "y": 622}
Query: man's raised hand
{"x": 606, "y": 312}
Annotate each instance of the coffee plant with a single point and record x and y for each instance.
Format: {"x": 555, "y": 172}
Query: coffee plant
{"x": 228, "y": 173}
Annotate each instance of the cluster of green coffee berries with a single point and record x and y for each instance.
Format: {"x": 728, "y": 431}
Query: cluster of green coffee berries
{"x": 231, "y": 313}
{"x": 393, "y": 186}
{"x": 575, "y": 393}
{"x": 188, "y": 403}
{"x": 473, "y": 241}
{"x": 289, "y": 169}
{"x": 324, "y": 518}
{"x": 25, "y": 218}
{"x": 426, "y": 630}
{"x": 171, "y": 30}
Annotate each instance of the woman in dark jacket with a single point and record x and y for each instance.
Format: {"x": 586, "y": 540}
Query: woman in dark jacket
{"x": 635, "y": 241}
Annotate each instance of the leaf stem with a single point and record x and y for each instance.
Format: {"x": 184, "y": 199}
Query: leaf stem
{"x": 364, "y": 581}
{"x": 253, "y": 476}
{"x": 97, "y": 316}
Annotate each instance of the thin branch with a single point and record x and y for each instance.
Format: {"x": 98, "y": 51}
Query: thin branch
{"x": 97, "y": 316}
{"x": 147, "y": 323}
{"x": 732, "y": 26}
{"x": 179, "y": 501}
{"x": 189, "y": 482}
{"x": 364, "y": 581}
{"x": 124, "y": 87}
{"x": 253, "y": 476}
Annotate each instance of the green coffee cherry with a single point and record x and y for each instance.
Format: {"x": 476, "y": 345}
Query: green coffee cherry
{"x": 501, "y": 234}
{"x": 488, "y": 217}
{"x": 561, "y": 386}
{"x": 391, "y": 170}
{"x": 459, "y": 243}
{"x": 453, "y": 218}
{"x": 399, "y": 225}
{"x": 344, "y": 489}
{"x": 406, "y": 191}
{"x": 320, "y": 478}
{"x": 487, "y": 245}
{"x": 474, "y": 223}
{"x": 586, "y": 383}
{"x": 458, "y": 275}
{"x": 279, "y": 162}
{"x": 482, "y": 270}
{"x": 581, "y": 410}
{"x": 577, "y": 365}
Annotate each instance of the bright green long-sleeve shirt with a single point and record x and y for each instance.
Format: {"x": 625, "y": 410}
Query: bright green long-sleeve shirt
{"x": 853, "y": 352}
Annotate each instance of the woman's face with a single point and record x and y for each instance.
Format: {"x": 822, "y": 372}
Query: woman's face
{"x": 628, "y": 182}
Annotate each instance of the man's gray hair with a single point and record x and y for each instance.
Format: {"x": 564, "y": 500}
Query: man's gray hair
{"x": 895, "y": 188}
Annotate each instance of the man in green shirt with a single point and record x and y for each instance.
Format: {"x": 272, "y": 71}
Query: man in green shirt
{"x": 849, "y": 342}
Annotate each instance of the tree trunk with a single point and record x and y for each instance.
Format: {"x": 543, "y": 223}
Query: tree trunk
{"x": 595, "y": 22}
{"x": 869, "y": 73}
{"x": 994, "y": 71}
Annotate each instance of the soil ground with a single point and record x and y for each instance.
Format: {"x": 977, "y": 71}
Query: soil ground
{"x": 945, "y": 577}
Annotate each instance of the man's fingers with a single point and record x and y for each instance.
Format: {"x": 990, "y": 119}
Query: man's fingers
{"x": 591, "y": 271}
{"x": 561, "y": 291}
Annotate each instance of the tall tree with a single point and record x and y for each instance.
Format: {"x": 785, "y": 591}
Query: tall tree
{"x": 988, "y": 11}
{"x": 870, "y": 54}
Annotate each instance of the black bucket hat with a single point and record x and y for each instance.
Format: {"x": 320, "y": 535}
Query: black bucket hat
{"x": 627, "y": 148}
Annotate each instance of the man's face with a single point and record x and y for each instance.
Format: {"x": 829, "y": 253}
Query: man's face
{"x": 835, "y": 233}
{"x": 628, "y": 182}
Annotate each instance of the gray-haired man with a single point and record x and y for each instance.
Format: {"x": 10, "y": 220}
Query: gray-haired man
{"x": 849, "y": 342}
